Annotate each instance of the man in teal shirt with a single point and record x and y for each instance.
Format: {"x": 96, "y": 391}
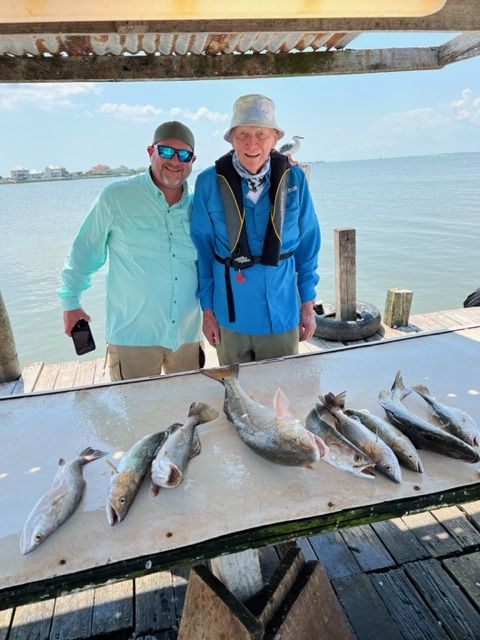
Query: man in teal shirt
{"x": 142, "y": 226}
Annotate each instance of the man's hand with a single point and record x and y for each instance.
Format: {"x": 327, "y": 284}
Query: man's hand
{"x": 70, "y": 319}
{"x": 211, "y": 328}
{"x": 307, "y": 321}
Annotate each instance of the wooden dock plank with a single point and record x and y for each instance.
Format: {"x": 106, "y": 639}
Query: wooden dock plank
{"x": 367, "y": 614}
{"x": 406, "y": 606}
{"x": 113, "y": 610}
{"x": 47, "y": 377}
{"x": 431, "y": 534}
{"x": 401, "y": 543}
{"x": 30, "y": 374}
{"x": 457, "y": 524}
{"x": 333, "y": 552}
{"x": 456, "y": 614}
{"x": 308, "y": 552}
{"x": 6, "y": 617}
{"x": 102, "y": 374}
{"x": 32, "y": 621}
{"x": 154, "y": 603}
{"x": 85, "y": 373}
{"x": 72, "y": 616}
{"x": 466, "y": 572}
{"x": 66, "y": 375}
{"x": 367, "y": 548}
{"x": 472, "y": 509}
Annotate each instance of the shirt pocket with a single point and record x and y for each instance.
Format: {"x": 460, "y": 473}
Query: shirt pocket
{"x": 141, "y": 236}
{"x": 291, "y": 221}
{"x": 184, "y": 246}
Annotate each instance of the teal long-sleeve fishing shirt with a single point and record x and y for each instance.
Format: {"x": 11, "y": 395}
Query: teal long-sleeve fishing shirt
{"x": 151, "y": 282}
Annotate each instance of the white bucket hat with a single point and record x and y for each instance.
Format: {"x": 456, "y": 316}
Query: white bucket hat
{"x": 253, "y": 110}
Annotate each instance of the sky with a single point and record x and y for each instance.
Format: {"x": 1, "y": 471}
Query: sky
{"x": 346, "y": 117}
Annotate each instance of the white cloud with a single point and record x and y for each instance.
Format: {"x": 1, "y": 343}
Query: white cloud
{"x": 45, "y": 96}
{"x": 467, "y": 108}
{"x": 147, "y": 112}
{"x": 137, "y": 113}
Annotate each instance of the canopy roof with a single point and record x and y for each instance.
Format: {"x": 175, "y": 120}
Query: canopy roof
{"x": 180, "y": 39}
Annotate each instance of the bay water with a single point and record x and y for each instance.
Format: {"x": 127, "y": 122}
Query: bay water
{"x": 417, "y": 224}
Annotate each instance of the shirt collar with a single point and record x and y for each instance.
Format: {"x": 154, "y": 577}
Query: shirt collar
{"x": 154, "y": 190}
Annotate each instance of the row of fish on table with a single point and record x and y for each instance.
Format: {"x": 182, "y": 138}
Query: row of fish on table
{"x": 356, "y": 441}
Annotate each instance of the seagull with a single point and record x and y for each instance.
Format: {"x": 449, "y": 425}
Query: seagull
{"x": 291, "y": 147}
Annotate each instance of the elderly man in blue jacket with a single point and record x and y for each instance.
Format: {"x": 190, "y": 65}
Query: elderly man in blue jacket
{"x": 257, "y": 238}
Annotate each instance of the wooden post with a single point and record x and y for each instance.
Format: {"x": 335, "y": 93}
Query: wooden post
{"x": 9, "y": 365}
{"x": 397, "y": 307}
{"x": 345, "y": 275}
{"x": 240, "y": 573}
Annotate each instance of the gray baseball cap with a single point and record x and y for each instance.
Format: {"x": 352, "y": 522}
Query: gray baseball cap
{"x": 175, "y": 130}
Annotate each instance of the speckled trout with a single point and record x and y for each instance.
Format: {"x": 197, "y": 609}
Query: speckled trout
{"x": 422, "y": 433}
{"x": 456, "y": 421}
{"x": 128, "y": 476}
{"x": 373, "y": 446}
{"x": 275, "y": 435}
{"x": 396, "y": 440}
{"x": 181, "y": 445}
{"x": 59, "y": 502}
{"x": 341, "y": 452}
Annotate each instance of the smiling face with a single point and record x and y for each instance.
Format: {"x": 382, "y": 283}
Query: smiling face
{"x": 169, "y": 175}
{"x": 253, "y": 146}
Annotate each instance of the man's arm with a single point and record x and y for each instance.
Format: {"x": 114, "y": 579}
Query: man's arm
{"x": 87, "y": 255}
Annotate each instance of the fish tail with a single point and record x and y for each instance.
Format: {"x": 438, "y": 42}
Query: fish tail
{"x": 89, "y": 455}
{"x": 398, "y": 384}
{"x": 202, "y": 412}
{"x": 221, "y": 374}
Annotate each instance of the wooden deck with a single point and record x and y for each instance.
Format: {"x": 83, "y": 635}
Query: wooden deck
{"x": 412, "y": 578}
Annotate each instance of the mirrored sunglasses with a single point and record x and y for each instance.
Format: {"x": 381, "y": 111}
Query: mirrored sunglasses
{"x": 166, "y": 152}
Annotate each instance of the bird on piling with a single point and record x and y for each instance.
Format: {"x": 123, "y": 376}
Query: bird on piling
{"x": 291, "y": 147}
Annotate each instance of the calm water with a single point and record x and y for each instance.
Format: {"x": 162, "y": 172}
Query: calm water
{"x": 417, "y": 222}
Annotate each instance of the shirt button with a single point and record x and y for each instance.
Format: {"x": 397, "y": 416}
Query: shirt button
{"x": 176, "y": 278}
{"x": 173, "y": 321}
{"x": 173, "y": 255}
{"x": 174, "y": 302}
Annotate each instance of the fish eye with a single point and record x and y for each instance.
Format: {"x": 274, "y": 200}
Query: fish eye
{"x": 295, "y": 440}
{"x": 356, "y": 458}
{"x": 38, "y": 537}
{"x": 388, "y": 467}
{"x": 122, "y": 500}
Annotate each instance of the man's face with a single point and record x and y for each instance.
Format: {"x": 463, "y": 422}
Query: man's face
{"x": 253, "y": 146}
{"x": 169, "y": 173}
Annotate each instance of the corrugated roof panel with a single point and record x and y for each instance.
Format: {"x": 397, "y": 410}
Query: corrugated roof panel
{"x": 167, "y": 43}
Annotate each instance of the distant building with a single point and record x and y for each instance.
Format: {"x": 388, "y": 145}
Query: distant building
{"x": 19, "y": 174}
{"x": 55, "y": 171}
{"x": 100, "y": 170}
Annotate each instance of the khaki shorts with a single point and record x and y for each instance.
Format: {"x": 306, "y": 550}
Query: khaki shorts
{"x": 125, "y": 362}
{"x": 243, "y": 347}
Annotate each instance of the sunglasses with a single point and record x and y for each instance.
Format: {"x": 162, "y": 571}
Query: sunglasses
{"x": 166, "y": 152}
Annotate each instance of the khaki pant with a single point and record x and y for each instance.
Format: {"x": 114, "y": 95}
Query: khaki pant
{"x": 242, "y": 347}
{"x": 140, "y": 362}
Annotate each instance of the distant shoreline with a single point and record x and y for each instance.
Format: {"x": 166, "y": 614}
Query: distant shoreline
{"x": 67, "y": 178}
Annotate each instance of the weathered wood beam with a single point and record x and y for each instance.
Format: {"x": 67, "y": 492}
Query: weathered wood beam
{"x": 105, "y": 68}
{"x": 456, "y": 15}
{"x": 466, "y": 45}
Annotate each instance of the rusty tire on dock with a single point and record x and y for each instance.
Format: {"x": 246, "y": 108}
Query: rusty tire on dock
{"x": 328, "y": 327}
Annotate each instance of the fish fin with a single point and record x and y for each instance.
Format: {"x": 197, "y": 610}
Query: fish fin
{"x": 399, "y": 384}
{"x": 110, "y": 464}
{"x": 422, "y": 390}
{"x": 203, "y": 412}
{"x": 196, "y": 446}
{"x": 280, "y": 404}
{"x": 322, "y": 447}
{"x": 59, "y": 497}
{"x": 61, "y": 462}
{"x": 155, "y": 489}
{"x": 320, "y": 408}
{"x": 333, "y": 401}
{"x": 222, "y": 373}
{"x": 89, "y": 455}
{"x": 383, "y": 395}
